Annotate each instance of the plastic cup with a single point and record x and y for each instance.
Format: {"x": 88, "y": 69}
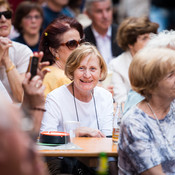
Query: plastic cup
{"x": 70, "y": 127}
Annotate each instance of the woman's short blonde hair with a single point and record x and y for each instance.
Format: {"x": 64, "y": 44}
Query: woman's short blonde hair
{"x": 78, "y": 55}
{"x": 148, "y": 67}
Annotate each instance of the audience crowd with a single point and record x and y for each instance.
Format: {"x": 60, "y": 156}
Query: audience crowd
{"x": 78, "y": 45}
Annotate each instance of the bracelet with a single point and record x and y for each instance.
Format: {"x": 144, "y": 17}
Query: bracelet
{"x": 38, "y": 109}
{"x": 10, "y": 68}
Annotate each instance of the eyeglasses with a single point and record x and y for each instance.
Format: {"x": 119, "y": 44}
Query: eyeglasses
{"x": 28, "y": 17}
{"x": 6, "y": 14}
{"x": 72, "y": 44}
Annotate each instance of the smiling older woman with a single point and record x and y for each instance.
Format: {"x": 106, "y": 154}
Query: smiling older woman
{"x": 81, "y": 100}
{"x": 147, "y": 139}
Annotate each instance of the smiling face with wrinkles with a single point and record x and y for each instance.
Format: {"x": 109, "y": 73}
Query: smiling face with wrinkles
{"x": 87, "y": 75}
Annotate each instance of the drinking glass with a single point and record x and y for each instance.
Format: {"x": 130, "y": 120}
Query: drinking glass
{"x": 70, "y": 127}
{"x": 117, "y": 121}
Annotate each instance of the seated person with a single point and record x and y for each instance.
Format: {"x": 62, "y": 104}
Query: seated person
{"x": 147, "y": 137}
{"x": 82, "y": 100}
{"x": 14, "y": 57}
{"x": 163, "y": 39}
{"x": 58, "y": 41}
{"x": 132, "y": 35}
{"x": 28, "y": 21}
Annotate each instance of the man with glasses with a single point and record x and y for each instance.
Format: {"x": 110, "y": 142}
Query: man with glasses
{"x": 102, "y": 32}
{"x": 14, "y": 57}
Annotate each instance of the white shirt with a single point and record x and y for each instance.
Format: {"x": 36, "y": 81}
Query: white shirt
{"x": 4, "y": 92}
{"x": 60, "y": 107}
{"x": 19, "y": 55}
{"x": 120, "y": 79}
{"x": 104, "y": 44}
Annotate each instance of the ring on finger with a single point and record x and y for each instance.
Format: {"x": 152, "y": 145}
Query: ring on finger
{"x": 37, "y": 85}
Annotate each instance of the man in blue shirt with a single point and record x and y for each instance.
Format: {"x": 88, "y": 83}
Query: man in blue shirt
{"x": 54, "y": 8}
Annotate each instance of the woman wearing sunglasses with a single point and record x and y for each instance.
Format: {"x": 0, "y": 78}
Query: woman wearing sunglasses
{"x": 58, "y": 41}
{"x": 14, "y": 57}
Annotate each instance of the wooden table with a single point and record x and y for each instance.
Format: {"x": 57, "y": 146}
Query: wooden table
{"x": 91, "y": 148}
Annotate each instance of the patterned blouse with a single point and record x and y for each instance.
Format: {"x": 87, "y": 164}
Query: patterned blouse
{"x": 142, "y": 144}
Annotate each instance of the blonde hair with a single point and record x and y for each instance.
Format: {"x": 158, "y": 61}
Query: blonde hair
{"x": 148, "y": 67}
{"x": 78, "y": 55}
{"x": 6, "y": 4}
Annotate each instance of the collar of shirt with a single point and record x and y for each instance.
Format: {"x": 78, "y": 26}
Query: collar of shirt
{"x": 103, "y": 44}
{"x": 97, "y": 35}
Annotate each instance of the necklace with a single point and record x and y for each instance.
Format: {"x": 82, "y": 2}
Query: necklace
{"x": 160, "y": 128}
{"x": 75, "y": 104}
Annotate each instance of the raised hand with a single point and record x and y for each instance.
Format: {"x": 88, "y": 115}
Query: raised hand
{"x": 5, "y": 43}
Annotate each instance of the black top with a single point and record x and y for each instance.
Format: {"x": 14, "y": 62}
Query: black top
{"x": 89, "y": 37}
{"x": 20, "y": 39}
{"x": 164, "y": 3}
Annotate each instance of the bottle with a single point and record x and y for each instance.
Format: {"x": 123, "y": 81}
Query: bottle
{"x": 116, "y": 123}
{"x": 103, "y": 164}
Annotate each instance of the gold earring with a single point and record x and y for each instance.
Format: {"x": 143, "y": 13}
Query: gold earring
{"x": 57, "y": 58}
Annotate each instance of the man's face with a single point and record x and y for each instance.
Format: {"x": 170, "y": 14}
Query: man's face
{"x": 101, "y": 15}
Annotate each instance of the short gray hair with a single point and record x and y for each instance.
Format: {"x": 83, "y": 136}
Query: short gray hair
{"x": 163, "y": 39}
{"x": 88, "y": 4}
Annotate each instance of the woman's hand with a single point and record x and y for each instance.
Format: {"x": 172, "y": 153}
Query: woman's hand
{"x": 33, "y": 91}
{"x": 111, "y": 89}
{"x": 41, "y": 65}
{"x": 88, "y": 132}
{"x": 5, "y": 43}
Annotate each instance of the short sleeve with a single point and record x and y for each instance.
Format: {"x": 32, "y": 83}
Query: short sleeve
{"x": 20, "y": 55}
{"x": 50, "y": 120}
{"x": 137, "y": 146}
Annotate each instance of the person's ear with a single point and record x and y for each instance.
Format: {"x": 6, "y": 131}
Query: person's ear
{"x": 88, "y": 14}
{"x": 54, "y": 52}
{"x": 100, "y": 76}
{"x": 130, "y": 46}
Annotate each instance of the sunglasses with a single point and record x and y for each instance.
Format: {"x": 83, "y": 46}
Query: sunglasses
{"x": 72, "y": 44}
{"x": 6, "y": 14}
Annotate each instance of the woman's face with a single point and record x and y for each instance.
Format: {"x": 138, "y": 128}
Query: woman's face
{"x": 63, "y": 51}
{"x": 5, "y": 24}
{"x": 31, "y": 24}
{"x": 166, "y": 87}
{"x": 140, "y": 43}
{"x": 87, "y": 75}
